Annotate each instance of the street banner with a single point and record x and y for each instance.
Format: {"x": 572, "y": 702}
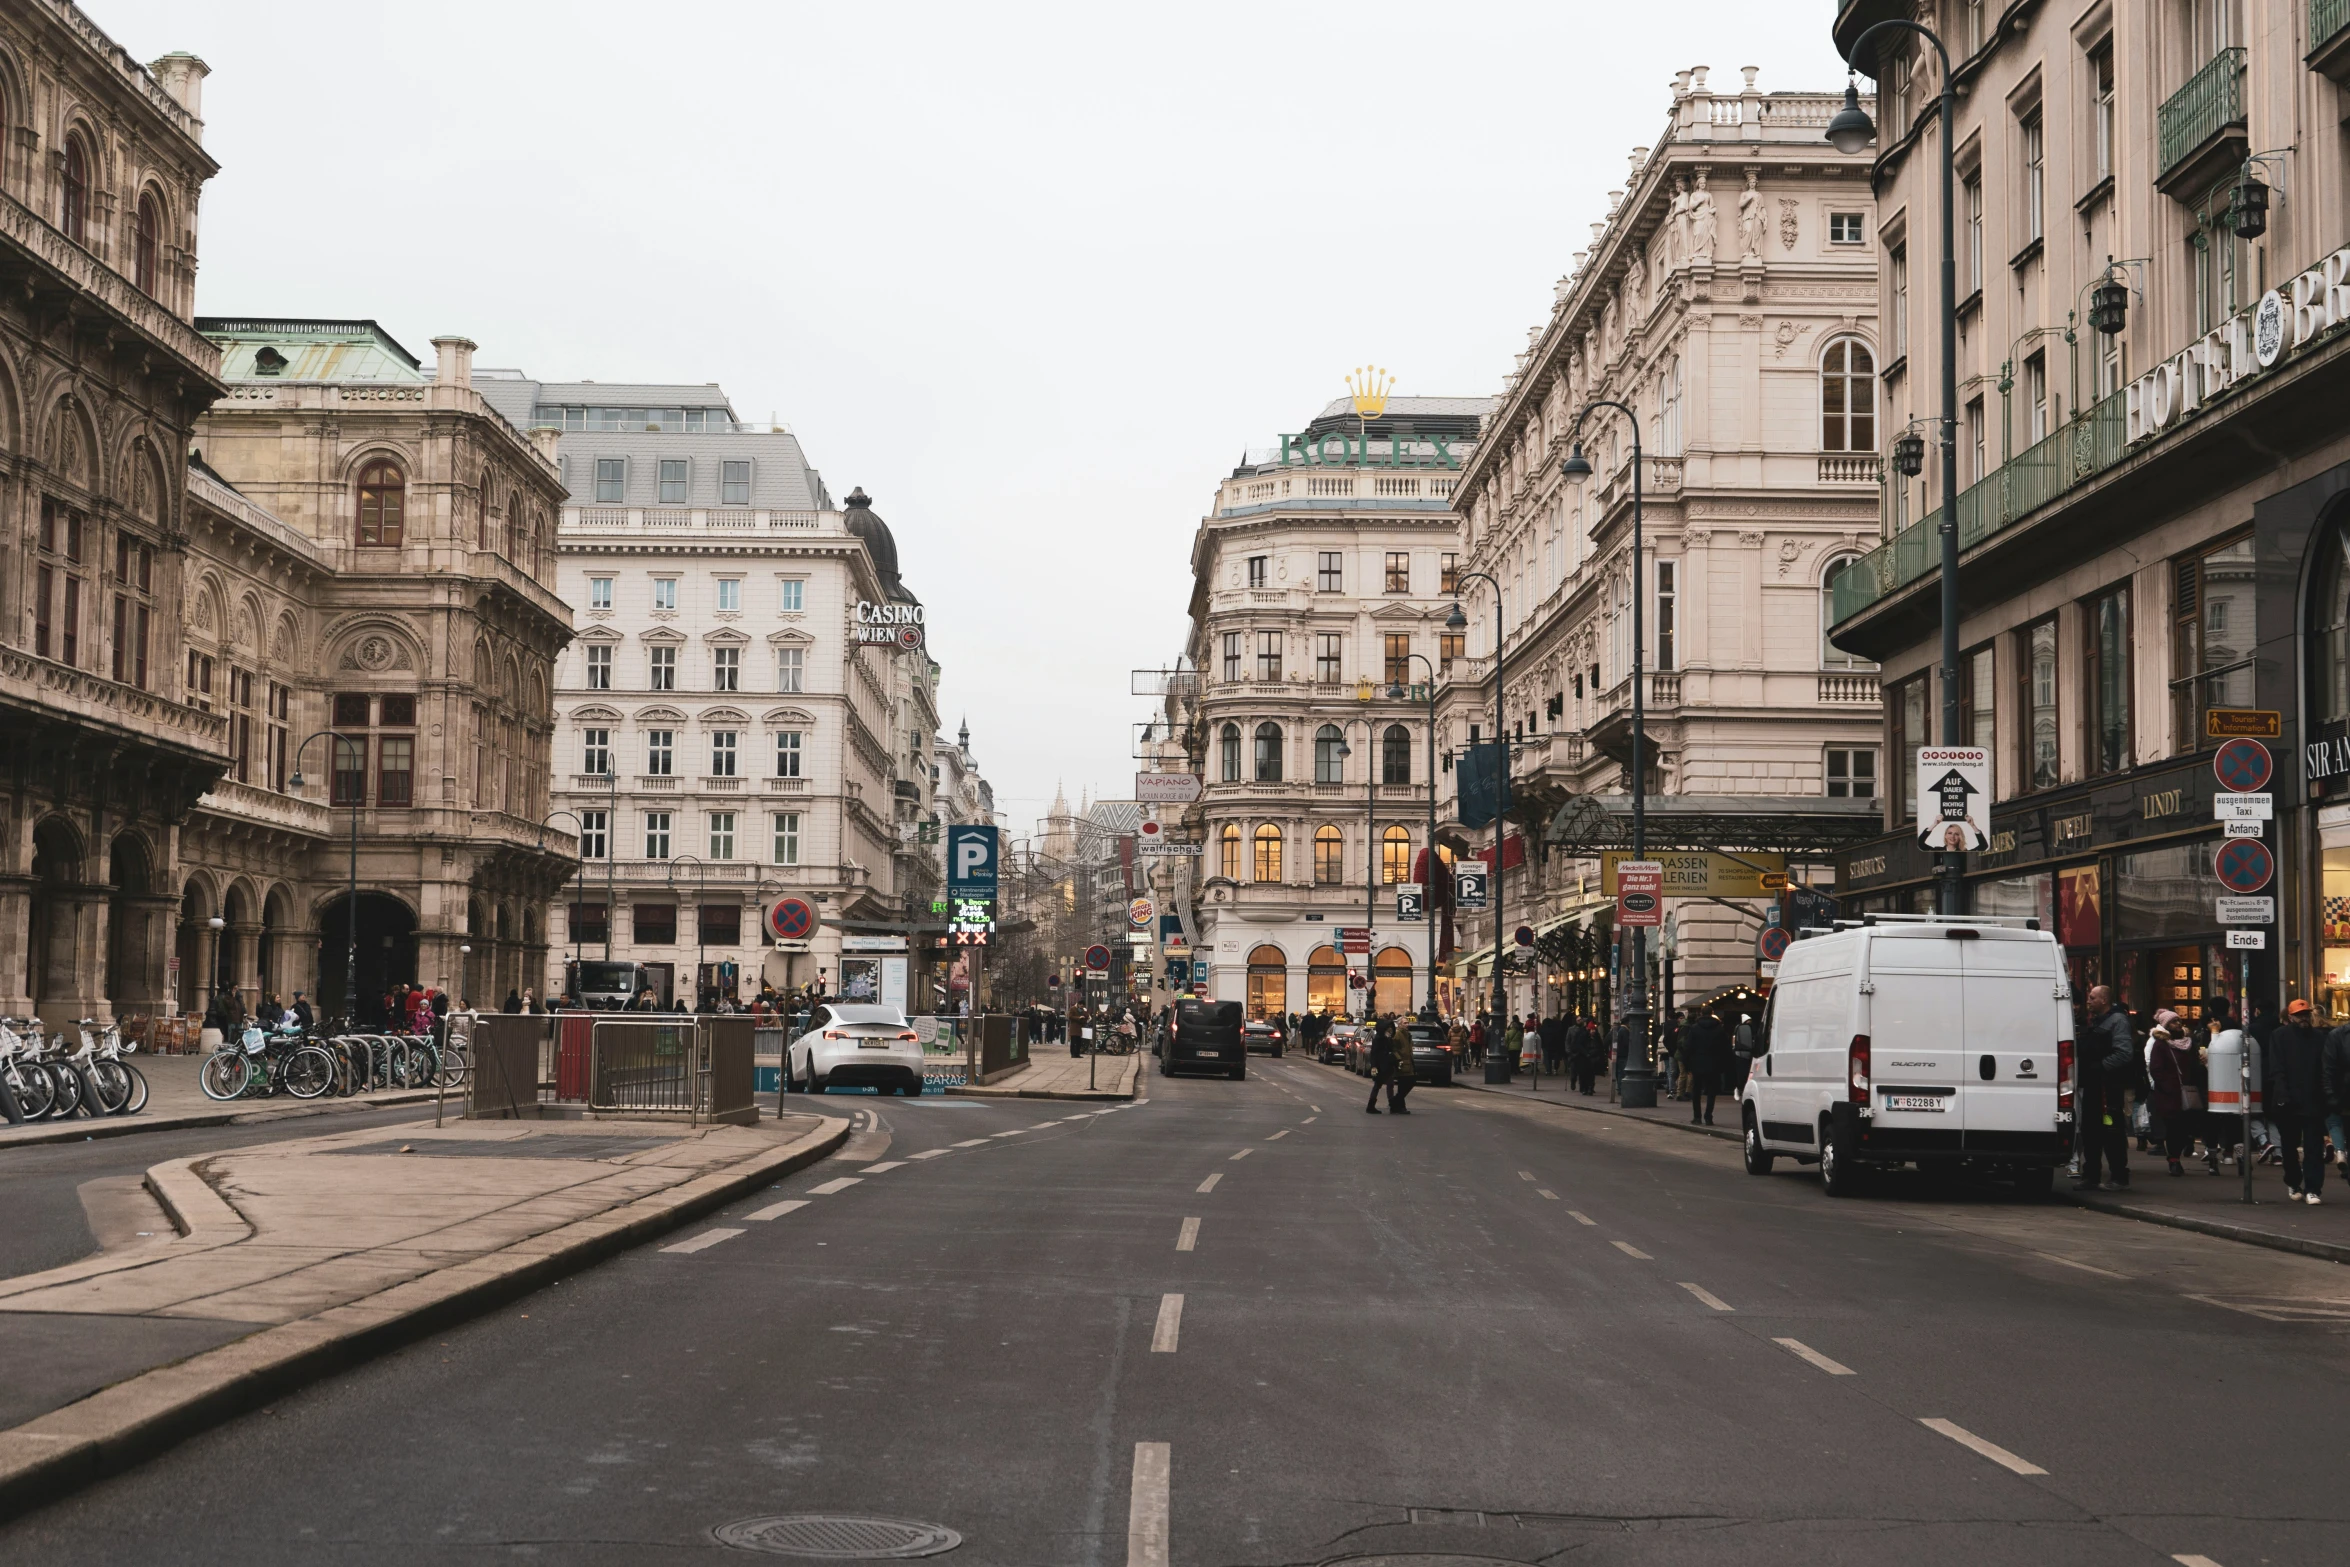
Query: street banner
{"x": 1701, "y": 873}
{"x": 1640, "y": 894}
{"x": 1954, "y": 797}
{"x": 1483, "y": 783}
{"x": 1166, "y": 788}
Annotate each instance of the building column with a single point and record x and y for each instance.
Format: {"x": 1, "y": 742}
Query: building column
{"x": 74, "y": 966}
{"x": 439, "y": 964}
{"x": 244, "y": 966}
{"x": 146, "y": 944}
{"x": 16, "y": 934}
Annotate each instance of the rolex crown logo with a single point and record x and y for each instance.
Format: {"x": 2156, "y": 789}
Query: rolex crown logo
{"x": 1369, "y": 387}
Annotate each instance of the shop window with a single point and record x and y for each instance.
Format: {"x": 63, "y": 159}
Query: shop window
{"x": 2037, "y": 761}
{"x": 655, "y": 924}
{"x": 1325, "y": 981}
{"x": 1268, "y": 983}
{"x": 2211, "y": 641}
{"x": 722, "y": 924}
{"x": 590, "y": 922}
{"x": 2106, "y": 680}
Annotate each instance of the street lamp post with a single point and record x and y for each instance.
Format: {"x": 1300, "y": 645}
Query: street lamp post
{"x": 351, "y": 892}
{"x": 1497, "y": 1067}
{"x": 1638, "y": 1087}
{"x": 1395, "y": 693}
{"x": 1371, "y": 871}
{"x": 1849, "y": 132}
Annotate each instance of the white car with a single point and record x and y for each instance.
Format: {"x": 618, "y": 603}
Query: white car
{"x": 852, "y": 1045}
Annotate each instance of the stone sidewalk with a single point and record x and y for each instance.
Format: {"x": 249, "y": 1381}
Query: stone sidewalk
{"x": 1052, "y": 1073}
{"x": 175, "y": 1101}
{"x": 293, "y": 1259}
{"x": 2195, "y": 1201}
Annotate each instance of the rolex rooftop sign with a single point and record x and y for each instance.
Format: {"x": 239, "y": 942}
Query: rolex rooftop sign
{"x": 891, "y": 625}
{"x": 2284, "y": 322}
{"x": 1397, "y": 447}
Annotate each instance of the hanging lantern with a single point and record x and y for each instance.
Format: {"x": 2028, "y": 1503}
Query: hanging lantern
{"x": 1909, "y": 454}
{"x": 2248, "y": 207}
{"x": 2109, "y": 306}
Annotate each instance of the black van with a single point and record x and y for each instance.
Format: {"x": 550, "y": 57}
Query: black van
{"x": 1205, "y": 1037}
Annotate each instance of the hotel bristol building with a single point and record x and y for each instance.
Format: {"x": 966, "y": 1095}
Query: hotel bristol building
{"x": 2154, "y": 511}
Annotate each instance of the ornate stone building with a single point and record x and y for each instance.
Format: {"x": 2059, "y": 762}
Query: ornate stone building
{"x": 1729, "y": 296}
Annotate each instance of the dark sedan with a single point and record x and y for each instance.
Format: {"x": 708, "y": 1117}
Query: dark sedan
{"x": 1262, "y": 1037}
{"x": 1431, "y": 1055}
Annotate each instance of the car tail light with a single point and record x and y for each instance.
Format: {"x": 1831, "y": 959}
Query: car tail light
{"x": 2064, "y": 1074}
{"x": 910, "y": 1034}
{"x": 1857, "y": 1068}
{"x": 834, "y": 1033}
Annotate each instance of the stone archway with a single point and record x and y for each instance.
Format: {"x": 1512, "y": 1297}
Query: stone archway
{"x": 387, "y": 954}
{"x": 136, "y": 919}
{"x": 65, "y": 948}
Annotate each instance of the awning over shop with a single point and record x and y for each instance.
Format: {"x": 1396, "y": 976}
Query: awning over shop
{"x": 1802, "y": 825}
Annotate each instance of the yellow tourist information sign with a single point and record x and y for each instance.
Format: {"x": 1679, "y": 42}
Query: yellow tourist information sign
{"x": 1700, "y": 873}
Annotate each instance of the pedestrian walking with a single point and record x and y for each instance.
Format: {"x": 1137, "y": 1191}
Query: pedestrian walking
{"x": 1513, "y": 1043}
{"x": 302, "y": 1013}
{"x": 2295, "y": 1099}
{"x": 1669, "y": 1058}
{"x": 1705, "y": 1044}
{"x": 1399, "y": 1085}
{"x": 2107, "y": 1060}
{"x": 1382, "y": 1061}
{"x": 2174, "y": 1087}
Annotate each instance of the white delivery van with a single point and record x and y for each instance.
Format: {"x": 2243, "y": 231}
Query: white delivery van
{"x": 1916, "y": 1039}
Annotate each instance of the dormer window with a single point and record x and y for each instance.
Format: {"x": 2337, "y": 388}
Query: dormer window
{"x": 268, "y": 361}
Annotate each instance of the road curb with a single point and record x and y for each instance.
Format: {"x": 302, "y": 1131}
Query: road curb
{"x": 123, "y": 1425}
{"x": 1727, "y": 1134}
{"x": 78, "y": 1131}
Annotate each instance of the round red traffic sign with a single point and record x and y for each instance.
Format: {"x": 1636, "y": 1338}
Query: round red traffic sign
{"x": 1772, "y": 945}
{"x": 2243, "y": 865}
{"x": 1097, "y": 958}
{"x": 791, "y": 919}
{"x": 2243, "y": 766}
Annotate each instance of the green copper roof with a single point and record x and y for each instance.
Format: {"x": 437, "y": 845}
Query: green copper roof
{"x": 266, "y": 349}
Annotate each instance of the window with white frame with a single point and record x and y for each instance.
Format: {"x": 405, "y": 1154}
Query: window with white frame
{"x": 673, "y": 481}
{"x": 787, "y": 753}
{"x": 1232, "y": 655}
{"x": 1848, "y": 397}
{"x": 595, "y": 751}
{"x": 599, "y": 666}
{"x": 2032, "y": 144}
{"x": 792, "y": 596}
{"x": 1844, "y": 228}
{"x": 595, "y": 834}
{"x": 730, "y": 594}
{"x": 2101, "y": 109}
{"x": 722, "y": 753}
{"x": 726, "y": 669}
{"x": 599, "y": 592}
{"x": 787, "y": 837}
{"x": 1669, "y": 396}
{"x": 657, "y": 835}
{"x": 660, "y": 752}
{"x": 1268, "y": 655}
{"x": 663, "y": 668}
{"x": 722, "y": 835}
{"x": 665, "y": 593}
{"x": 1897, "y": 275}
{"x": 1970, "y": 244}
{"x": 1326, "y": 657}
{"x": 734, "y": 484}
{"x": 1256, "y": 570}
{"x": 611, "y": 478}
{"x": 790, "y": 668}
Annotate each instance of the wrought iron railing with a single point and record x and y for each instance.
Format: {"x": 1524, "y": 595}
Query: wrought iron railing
{"x": 2213, "y": 97}
{"x": 2326, "y": 18}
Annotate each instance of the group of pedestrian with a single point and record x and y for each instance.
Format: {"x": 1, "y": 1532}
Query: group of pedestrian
{"x": 1391, "y": 1067}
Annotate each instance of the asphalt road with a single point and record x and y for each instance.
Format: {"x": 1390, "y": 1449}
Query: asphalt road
{"x": 48, "y": 1225}
{"x": 1491, "y": 1332}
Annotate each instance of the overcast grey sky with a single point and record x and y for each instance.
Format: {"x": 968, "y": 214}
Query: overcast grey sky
{"x": 1032, "y": 275}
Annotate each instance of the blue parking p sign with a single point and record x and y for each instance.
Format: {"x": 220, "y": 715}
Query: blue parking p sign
{"x": 971, "y": 862}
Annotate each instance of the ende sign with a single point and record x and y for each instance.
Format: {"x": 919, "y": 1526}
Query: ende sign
{"x": 888, "y": 625}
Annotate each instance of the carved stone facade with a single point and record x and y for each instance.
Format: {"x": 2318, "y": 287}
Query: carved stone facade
{"x": 1730, "y": 299}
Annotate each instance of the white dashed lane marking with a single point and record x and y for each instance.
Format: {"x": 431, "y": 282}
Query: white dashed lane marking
{"x": 1580, "y": 1218}
{"x": 1209, "y": 1184}
{"x": 1309, "y": 1120}
{"x": 1244, "y": 1153}
{"x": 929, "y": 1153}
{"x": 1017, "y": 1131}
{"x": 971, "y": 1142}
{"x": 1170, "y": 1324}
{"x": 2106, "y": 1273}
{"x": 884, "y": 1168}
{"x": 1146, "y": 1507}
{"x": 1525, "y": 1175}
{"x": 704, "y": 1241}
{"x": 2194, "y": 1561}
{"x": 1708, "y": 1296}
{"x": 776, "y": 1210}
{"x": 1188, "y": 1238}
{"x": 829, "y": 1187}
{"x": 1991, "y": 1450}
{"x": 1277, "y": 1136}
{"x": 1805, "y": 1352}
{"x": 1547, "y": 1192}
{"x": 1630, "y": 1250}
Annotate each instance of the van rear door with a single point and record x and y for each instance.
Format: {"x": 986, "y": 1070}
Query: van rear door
{"x": 2013, "y": 1021}
{"x": 1916, "y": 1030}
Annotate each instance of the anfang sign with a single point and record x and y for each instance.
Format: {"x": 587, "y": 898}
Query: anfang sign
{"x": 888, "y": 625}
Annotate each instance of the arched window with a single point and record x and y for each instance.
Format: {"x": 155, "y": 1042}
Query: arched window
{"x": 1228, "y": 747}
{"x": 1325, "y": 981}
{"x": 1268, "y": 753}
{"x": 1329, "y": 755}
{"x": 382, "y": 505}
{"x": 1832, "y": 656}
{"x": 1228, "y": 852}
{"x": 74, "y": 218}
{"x": 1848, "y": 397}
{"x": 1329, "y": 856}
{"x": 1268, "y": 866}
{"x": 1395, "y": 756}
{"x": 144, "y": 245}
{"x": 1395, "y": 855}
{"x": 1669, "y": 396}
{"x": 1268, "y": 982}
{"x": 1392, "y": 980}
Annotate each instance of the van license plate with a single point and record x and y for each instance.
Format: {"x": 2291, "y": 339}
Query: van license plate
{"x": 1935, "y": 1103}
{"x": 1207, "y": 1055}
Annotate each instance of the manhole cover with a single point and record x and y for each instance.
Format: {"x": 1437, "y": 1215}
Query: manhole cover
{"x": 834, "y": 1537}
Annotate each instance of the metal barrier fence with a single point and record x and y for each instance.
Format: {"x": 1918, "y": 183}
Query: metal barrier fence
{"x": 669, "y": 1064}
